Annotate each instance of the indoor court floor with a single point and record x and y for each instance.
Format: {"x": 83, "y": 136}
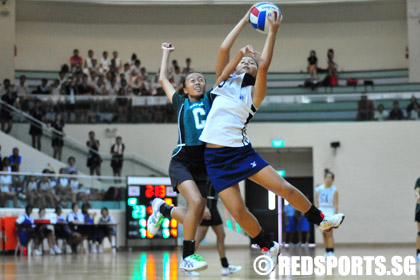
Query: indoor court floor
{"x": 140, "y": 265}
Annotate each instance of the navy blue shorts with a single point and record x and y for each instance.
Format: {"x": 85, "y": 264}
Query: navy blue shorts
{"x": 228, "y": 166}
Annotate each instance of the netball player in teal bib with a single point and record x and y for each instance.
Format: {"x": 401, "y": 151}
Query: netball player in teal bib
{"x": 240, "y": 89}
{"x": 187, "y": 169}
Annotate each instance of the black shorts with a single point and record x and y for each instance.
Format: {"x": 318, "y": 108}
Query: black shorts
{"x": 180, "y": 171}
{"x": 215, "y": 219}
{"x": 417, "y": 218}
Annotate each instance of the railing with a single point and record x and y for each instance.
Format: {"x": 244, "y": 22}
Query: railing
{"x": 133, "y": 164}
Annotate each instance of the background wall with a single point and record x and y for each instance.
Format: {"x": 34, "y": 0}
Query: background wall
{"x": 375, "y": 167}
{"x": 359, "y": 45}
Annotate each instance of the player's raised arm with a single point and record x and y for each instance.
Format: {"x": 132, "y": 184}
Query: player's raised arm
{"x": 260, "y": 88}
{"x": 223, "y": 57}
{"x": 163, "y": 75}
{"x": 230, "y": 67}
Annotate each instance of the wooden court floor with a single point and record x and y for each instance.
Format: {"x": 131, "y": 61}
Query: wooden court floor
{"x": 141, "y": 265}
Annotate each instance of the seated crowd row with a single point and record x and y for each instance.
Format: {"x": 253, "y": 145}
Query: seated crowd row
{"x": 73, "y": 230}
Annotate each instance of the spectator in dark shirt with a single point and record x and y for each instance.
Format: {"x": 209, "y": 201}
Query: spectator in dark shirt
{"x": 35, "y": 129}
{"x": 396, "y": 113}
{"x": 57, "y": 137}
{"x": 117, "y": 151}
{"x": 15, "y": 160}
{"x": 9, "y": 97}
{"x": 410, "y": 106}
{"x": 365, "y": 109}
{"x": 43, "y": 88}
{"x": 312, "y": 65}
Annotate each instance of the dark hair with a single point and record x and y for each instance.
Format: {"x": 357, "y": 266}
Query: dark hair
{"x": 40, "y": 209}
{"x": 105, "y": 208}
{"x": 137, "y": 61}
{"x": 188, "y": 59}
{"x": 119, "y": 137}
{"x": 29, "y": 206}
{"x": 71, "y": 158}
{"x": 58, "y": 208}
{"x": 73, "y": 204}
{"x": 312, "y": 51}
{"x": 327, "y": 171}
{"x": 181, "y": 91}
{"x": 134, "y": 56}
{"x": 75, "y": 50}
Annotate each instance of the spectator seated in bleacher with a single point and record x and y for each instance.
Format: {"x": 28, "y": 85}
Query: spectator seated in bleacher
{"x": 381, "y": 114}
{"x": 43, "y": 88}
{"x": 15, "y": 160}
{"x": 46, "y": 190}
{"x": 365, "y": 109}
{"x": 45, "y": 231}
{"x": 411, "y": 107}
{"x": 75, "y": 60}
{"x": 6, "y": 191}
{"x": 396, "y": 113}
{"x": 33, "y": 196}
{"x": 75, "y": 188}
{"x": 25, "y": 228}
{"x": 72, "y": 166}
{"x": 312, "y": 65}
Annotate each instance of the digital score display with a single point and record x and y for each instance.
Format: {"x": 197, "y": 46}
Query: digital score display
{"x": 140, "y": 193}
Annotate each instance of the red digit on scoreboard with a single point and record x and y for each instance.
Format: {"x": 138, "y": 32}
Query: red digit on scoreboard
{"x": 160, "y": 191}
{"x": 149, "y": 191}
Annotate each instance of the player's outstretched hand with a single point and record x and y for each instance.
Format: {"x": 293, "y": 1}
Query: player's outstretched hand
{"x": 274, "y": 23}
{"x": 248, "y": 49}
{"x": 168, "y": 47}
{"x": 247, "y": 14}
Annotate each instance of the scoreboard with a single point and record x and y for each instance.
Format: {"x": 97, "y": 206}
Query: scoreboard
{"x": 140, "y": 193}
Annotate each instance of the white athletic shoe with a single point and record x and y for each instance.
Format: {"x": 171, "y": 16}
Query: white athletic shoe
{"x": 100, "y": 249}
{"x": 52, "y": 251}
{"x": 418, "y": 257}
{"x": 68, "y": 249}
{"x": 230, "y": 269}
{"x": 193, "y": 263}
{"x": 330, "y": 222}
{"x": 156, "y": 219}
{"x": 93, "y": 249}
{"x": 273, "y": 253}
{"x": 329, "y": 254}
{"x": 189, "y": 273}
{"x": 37, "y": 252}
{"x": 57, "y": 250}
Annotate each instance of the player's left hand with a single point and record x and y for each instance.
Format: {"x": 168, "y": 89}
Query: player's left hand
{"x": 207, "y": 214}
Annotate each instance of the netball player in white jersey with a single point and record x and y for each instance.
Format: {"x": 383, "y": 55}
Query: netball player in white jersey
{"x": 229, "y": 155}
{"x": 326, "y": 199}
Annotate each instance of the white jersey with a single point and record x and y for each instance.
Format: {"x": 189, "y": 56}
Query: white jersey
{"x": 326, "y": 198}
{"x": 230, "y": 113}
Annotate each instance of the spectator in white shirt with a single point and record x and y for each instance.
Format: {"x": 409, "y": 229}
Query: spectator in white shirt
{"x": 88, "y": 61}
{"x": 381, "y": 114}
{"x": 22, "y": 88}
{"x": 136, "y": 67}
{"x": 32, "y": 194}
{"x": 104, "y": 63}
{"x": 6, "y": 189}
{"x": 44, "y": 187}
{"x": 177, "y": 78}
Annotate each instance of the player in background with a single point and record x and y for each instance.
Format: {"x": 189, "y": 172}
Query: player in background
{"x": 326, "y": 199}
